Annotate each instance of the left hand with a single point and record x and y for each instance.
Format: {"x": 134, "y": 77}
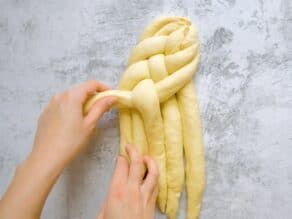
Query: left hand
{"x": 62, "y": 133}
{"x": 63, "y": 130}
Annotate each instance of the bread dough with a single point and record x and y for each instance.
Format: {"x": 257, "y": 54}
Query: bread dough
{"x": 158, "y": 110}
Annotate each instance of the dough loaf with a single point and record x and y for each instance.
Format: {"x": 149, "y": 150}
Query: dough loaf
{"x": 158, "y": 110}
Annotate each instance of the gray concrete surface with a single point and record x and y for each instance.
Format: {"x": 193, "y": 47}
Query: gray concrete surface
{"x": 244, "y": 87}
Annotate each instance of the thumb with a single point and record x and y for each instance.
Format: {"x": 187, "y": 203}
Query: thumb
{"x": 99, "y": 108}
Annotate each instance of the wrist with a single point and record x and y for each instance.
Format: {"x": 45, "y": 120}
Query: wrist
{"x": 50, "y": 165}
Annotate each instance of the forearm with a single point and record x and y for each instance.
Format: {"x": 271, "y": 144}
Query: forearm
{"x": 30, "y": 187}
{"x": 63, "y": 132}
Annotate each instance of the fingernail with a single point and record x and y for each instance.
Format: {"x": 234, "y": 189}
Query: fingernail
{"x": 111, "y": 100}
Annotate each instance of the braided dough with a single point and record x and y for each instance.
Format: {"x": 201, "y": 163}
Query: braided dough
{"x": 158, "y": 110}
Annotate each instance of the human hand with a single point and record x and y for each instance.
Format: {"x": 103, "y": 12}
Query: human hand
{"x": 132, "y": 195}
{"x": 63, "y": 130}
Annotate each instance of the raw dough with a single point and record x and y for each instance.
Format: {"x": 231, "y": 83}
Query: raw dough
{"x": 158, "y": 110}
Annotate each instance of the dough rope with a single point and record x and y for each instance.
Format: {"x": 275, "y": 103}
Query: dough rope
{"x": 158, "y": 110}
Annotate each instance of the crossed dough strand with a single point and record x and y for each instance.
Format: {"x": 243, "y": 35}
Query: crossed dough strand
{"x": 158, "y": 110}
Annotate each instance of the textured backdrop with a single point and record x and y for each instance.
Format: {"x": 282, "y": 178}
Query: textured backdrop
{"x": 244, "y": 86}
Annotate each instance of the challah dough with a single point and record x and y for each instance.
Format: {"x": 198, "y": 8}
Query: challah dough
{"x": 158, "y": 110}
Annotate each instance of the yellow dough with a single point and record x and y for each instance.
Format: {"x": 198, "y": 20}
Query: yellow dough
{"x": 158, "y": 110}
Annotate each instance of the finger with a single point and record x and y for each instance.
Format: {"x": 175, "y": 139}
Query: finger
{"x": 152, "y": 177}
{"x": 137, "y": 169}
{"x": 120, "y": 175}
{"x": 82, "y": 91}
{"x": 98, "y": 109}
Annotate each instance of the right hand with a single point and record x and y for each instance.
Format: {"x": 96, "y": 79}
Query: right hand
{"x": 131, "y": 195}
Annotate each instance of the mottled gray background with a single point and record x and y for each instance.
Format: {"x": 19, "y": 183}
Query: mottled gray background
{"x": 244, "y": 87}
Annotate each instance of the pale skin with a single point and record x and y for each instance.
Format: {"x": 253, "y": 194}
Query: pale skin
{"x": 63, "y": 132}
